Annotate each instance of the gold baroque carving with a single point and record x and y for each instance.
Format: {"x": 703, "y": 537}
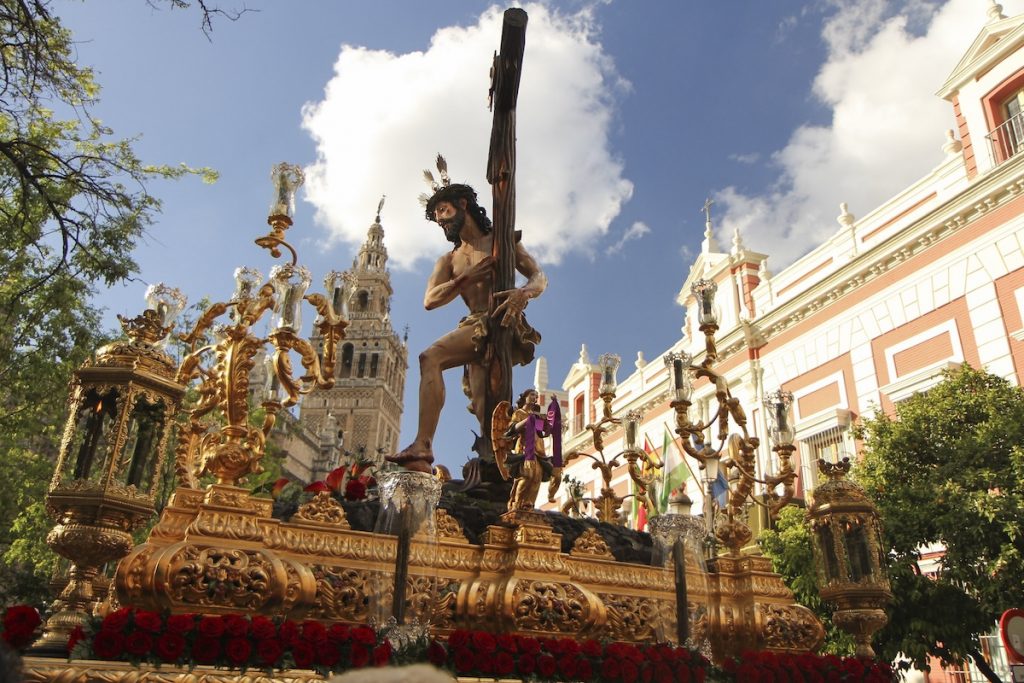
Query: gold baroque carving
{"x": 323, "y": 509}
{"x": 447, "y": 526}
{"x": 789, "y": 627}
{"x": 343, "y": 594}
{"x": 221, "y": 577}
{"x": 591, "y": 543}
{"x": 550, "y": 606}
{"x": 631, "y": 618}
{"x": 226, "y": 525}
{"x": 41, "y": 670}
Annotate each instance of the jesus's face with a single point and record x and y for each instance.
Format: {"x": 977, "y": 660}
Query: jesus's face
{"x": 451, "y": 218}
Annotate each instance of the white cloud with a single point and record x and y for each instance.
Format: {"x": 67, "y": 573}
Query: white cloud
{"x": 635, "y": 232}
{"x": 384, "y": 117}
{"x": 749, "y": 159}
{"x": 887, "y": 127}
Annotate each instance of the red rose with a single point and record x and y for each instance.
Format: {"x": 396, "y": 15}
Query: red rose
{"x": 303, "y": 654}
{"x": 75, "y": 637}
{"x": 528, "y": 645}
{"x": 364, "y": 635}
{"x": 458, "y": 638}
{"x": 382, "y": 654}
{"x": 181, "y": 623}
{"x": 546, "y": 666}
{"x": 235, "y": 626}
{"x": 629, "y": 671}
{"x": 483, "y": 662}
{"x": 148, "y": 621}
{"x": 527, "y": 664}
{"x": 169, "y": 647}
{"x": 20, "y": 624}
{"x": 568, "y": 646}
{"x": 633, "y": 654}
{"x": 269, "y": 651}
{"x": 314, "y": 632}
{"x": 108, "y": 644}
{"x": 338, "y": 633}
{"x": 288, "y": 632}
{"x": 567, "y": 666}
{"x": 360, "y": 656}
{"x": 584, "y": 671}
{"x": 436, "y": 654}
{"x": 504, "y": 664}
{"x": 262, "y": 628}
{"x": 611, "y": 668}
{"x": 238, "y": 651}
{"x": 206, "y": 650}
{"x": 483, "y": 641}
{"x": 683, "y": 674}
{"x": 662, "y": 673}
{"x": 138, "y": 644}
{"x": 506, "y": 642}
{"x": 328, "y": 655}
{"x": 211, "y": 627}
{"x": 116, "y": 620}
{"x": 591, "y": 648}
{"x": 464, "y": 660}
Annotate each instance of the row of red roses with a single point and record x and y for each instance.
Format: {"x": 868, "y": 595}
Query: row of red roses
{"x": 478, "y": 653}
{"x": 230, "y": 640}
{"x": 20, "y": 623}
{"x": 770, "y": 667}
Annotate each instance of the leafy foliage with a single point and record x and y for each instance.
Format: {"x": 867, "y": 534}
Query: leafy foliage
{"x": 948, "y": 470}
{"x": 73, "y": 203}
{"x": 789, "y": 547}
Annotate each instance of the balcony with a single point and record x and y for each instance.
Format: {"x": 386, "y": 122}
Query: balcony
{"x": 1007, "y": 140}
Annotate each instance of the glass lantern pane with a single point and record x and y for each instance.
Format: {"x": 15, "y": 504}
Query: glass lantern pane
{"x": 140, "y": 449}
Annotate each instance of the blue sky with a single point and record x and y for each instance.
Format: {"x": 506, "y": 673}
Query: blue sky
{"x": 631, "y": 113}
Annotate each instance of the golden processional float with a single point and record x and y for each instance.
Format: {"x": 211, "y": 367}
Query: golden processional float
{"x": 217, "y": 548}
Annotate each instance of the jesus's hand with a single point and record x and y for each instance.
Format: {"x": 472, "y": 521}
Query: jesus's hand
{"x": 512, "y": 307}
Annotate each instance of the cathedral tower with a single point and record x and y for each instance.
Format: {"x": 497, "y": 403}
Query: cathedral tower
{"x": 364, "y": 408}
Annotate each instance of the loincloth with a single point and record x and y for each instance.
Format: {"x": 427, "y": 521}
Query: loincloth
{"x": 524, "y": 337}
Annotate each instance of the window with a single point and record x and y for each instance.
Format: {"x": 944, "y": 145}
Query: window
{"x": 373, "y": 365}
{"x": 577, "y": 411}
{"x": 362, "y": 365}
{"x": 346, "y": 361}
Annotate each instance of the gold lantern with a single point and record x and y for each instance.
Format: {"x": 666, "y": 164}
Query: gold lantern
{"x": 121, "y": 405}
{"x": 847, "y": 539}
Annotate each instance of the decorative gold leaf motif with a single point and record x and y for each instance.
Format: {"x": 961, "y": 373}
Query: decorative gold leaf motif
{"x": 591, "y": 543}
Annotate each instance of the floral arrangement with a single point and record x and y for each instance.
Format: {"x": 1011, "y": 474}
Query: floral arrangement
{"x": 20, "y": 624}
{"x": 231, "y": 641}
{"x": 769, "y": 667}
{"x": 477, "y": 653}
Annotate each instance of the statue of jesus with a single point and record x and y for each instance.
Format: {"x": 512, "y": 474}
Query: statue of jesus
{"x": 467, "y": 272}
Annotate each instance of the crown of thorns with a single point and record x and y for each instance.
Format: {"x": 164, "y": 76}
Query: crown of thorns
{"x": 444, "y": 189}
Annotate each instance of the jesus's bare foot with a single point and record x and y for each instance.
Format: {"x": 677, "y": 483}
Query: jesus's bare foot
{"x": 414, "y": 459}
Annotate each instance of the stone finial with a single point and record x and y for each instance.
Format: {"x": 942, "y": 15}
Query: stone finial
{"x": 762, "y": 271}
{"x": 845, "y": 218}
{"x": 584, "y": 356}
{"x": 640, "y": 362}
{"x": 737, "y": 241}
{"x": 952, "y": 145}
{"x": 540, "y": 374}
{"x": 995, "y": 11}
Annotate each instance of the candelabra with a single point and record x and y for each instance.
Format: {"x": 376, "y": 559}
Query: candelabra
{"x": 609, "y": 503}
{"x": 730, "y": 467}
{"x": 230, "y": 449}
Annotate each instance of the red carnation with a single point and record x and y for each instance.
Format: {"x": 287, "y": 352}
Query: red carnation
{"x": 116, "y": 620}
{"x": 527, "y": 664}
{"x": 683, "y": 674}
{"x": 148, "y": 621}
{"x": 360, "y": 656}
{"x": 483, "y": 641}
{"x": 629, "y": 671}
{"x": 355, "y": 490}
{"x": 591, "y": 648}
{"x": 483, "y": 662}
{"x": 528, "y": 645}
{"x": 138, "y": 644}
{"x": 382, "y": 654}
{"x": 181, "y": 623}
{"x": 568, "y": 646}
{"x": 584, "y": 671}
{"x": 662, "y": 673}
{"x": 206, "y": 650}
{"x": 611, "y": 668}
{"x": 303, "y": 654}
{"x": 108, "y": 644}
{"x": 211, "y": 627}
{"x": 314, "y": 632}
{"x": 458, "y": 638}
{"x": 328, "y": 655}
{"x": 338, "y": 633}
{"x": 238, "y": 651}
{"x": 506, "y": 642}
{"x": 364, "y": 635}
{"x": 567, "y": 666}
{"x": 288, "y": 632}
{"x": 504, "y": 664}
{"x": 262, "y": 628}
{"x": 235, "y": 626}
{"x": 464, "y": 660}
{"x": 546, "y": 666}
{"x": 170, "y": 647}
{"x": 20, "y": 624}
{"x": 269, "y": 651}
{"x": 436, "y": 654}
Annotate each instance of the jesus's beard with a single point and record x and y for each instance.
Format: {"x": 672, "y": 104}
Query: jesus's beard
{"x": 453, "y": 226}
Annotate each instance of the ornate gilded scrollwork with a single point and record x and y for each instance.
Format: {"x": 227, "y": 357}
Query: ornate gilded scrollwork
{"x": 447, "y": 526}
{"x": 343, "y": 594}
{"x": 789, "y": 627}
{"x": 322, "y": 509}
{"x": 220, "y": 577}
{"x": 632, "y": 618}
{"x": 550, "y": 606}
{"x": 591, "y": 543}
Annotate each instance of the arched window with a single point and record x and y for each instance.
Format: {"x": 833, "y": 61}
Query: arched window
{"x": 373, "y": 365}
{"x": 362, "y": 300}
{"x": 346, "y": 361}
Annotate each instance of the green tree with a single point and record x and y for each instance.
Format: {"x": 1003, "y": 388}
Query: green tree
{"x": 948, "y": 470}
{"x": 73, "y": 203}
{"x": 788, "y": 546}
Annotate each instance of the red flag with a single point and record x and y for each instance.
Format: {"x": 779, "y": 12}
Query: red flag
{"x": 641, "y": 517}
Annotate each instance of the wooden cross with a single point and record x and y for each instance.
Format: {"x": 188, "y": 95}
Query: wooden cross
{"x": 501, "y": 174}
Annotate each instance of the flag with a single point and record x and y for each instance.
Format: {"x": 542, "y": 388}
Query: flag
{"x": 673, "y": 475}
{"x": 720, "y": 489}
{"x": 641, "y": 516}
